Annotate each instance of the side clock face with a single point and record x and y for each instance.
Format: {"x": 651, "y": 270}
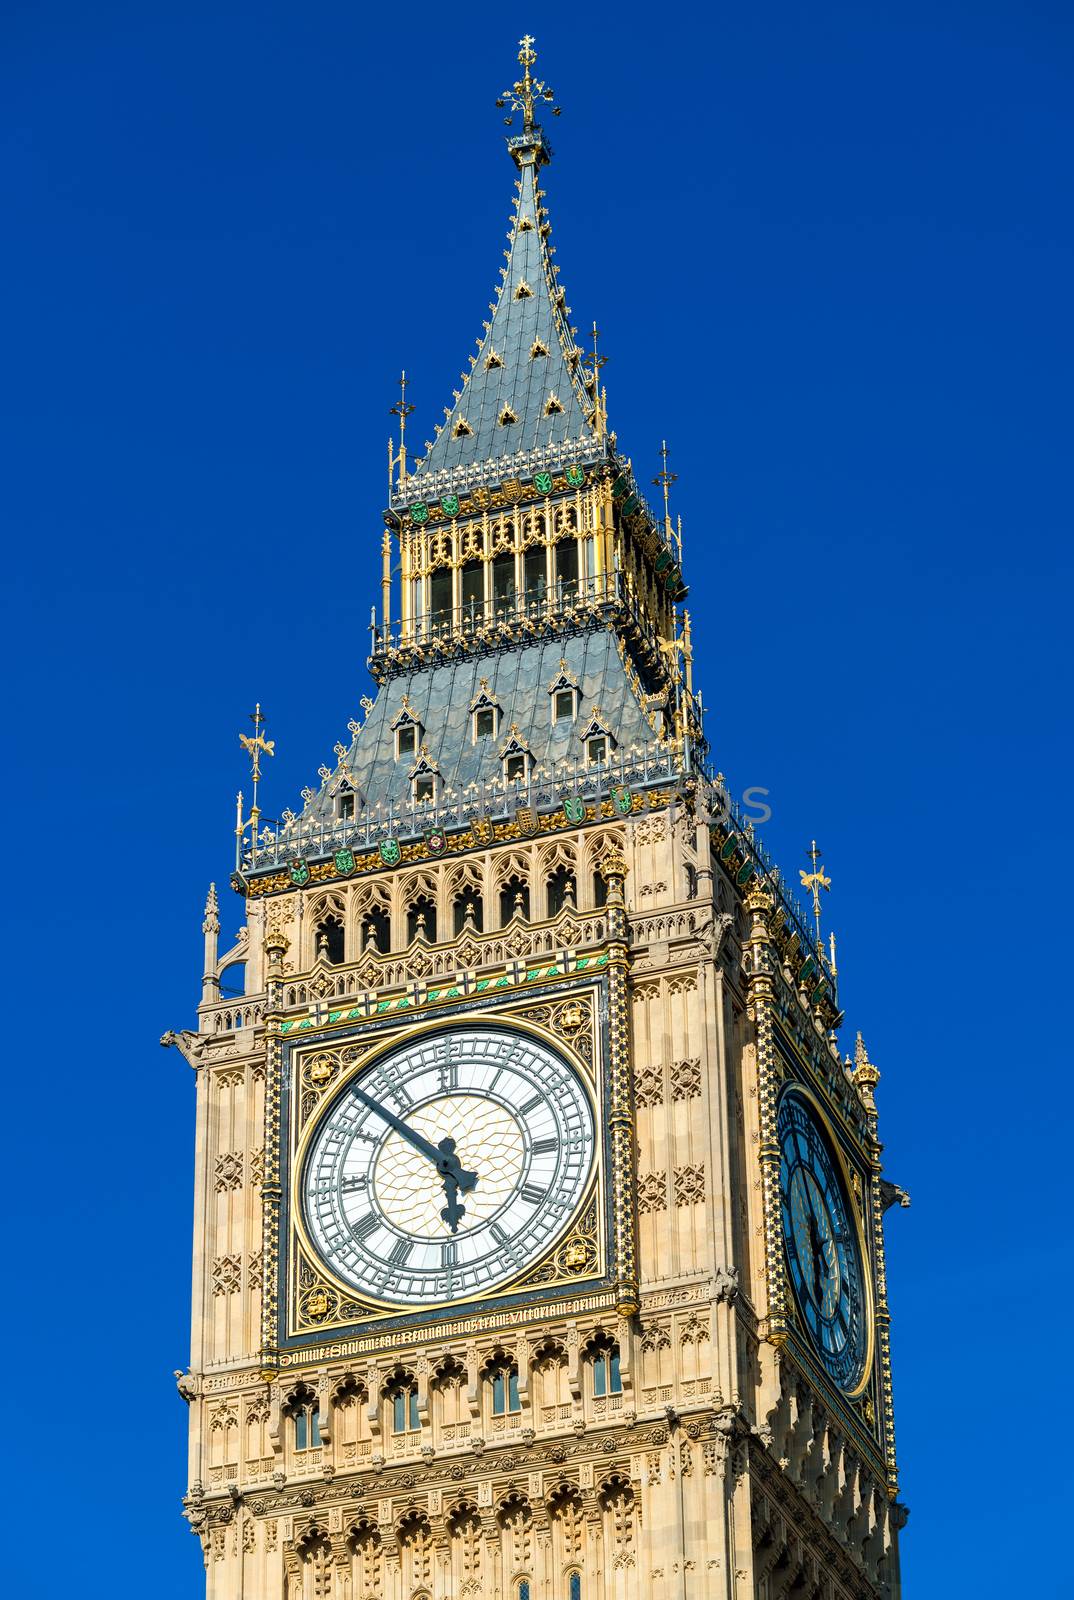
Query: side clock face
{"x": 820, "y": 1234}
{"x": 444, "y": 1168}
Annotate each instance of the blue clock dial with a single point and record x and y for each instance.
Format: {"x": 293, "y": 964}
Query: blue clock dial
{"x": 821, "y": 1239}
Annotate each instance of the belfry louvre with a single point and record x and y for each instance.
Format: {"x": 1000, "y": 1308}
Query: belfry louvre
{"x": 538, "y": 1247}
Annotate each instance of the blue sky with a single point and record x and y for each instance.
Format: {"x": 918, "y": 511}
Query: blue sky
{"x": 830, "y": 250}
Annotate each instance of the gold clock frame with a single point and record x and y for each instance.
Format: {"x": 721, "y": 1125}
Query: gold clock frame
{"x": 795, "y": 1086}
{"x": 579, "y": 1251}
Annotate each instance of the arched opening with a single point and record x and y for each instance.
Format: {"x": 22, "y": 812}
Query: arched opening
{"x": 600, "y": 890}
{"x": 535, "y": 574}
{"x": 421, "y": 920}
{"x": 378, "y": 930}
{"x": 562, "y": 891}
{"x": 233, "y": 980}
{"x": 514, "y": 900}
{"x": 473, "y": 590}
{"x": 503, "y": 583}
{"x": 330, "y": 942}
{"x": 567, "y": 568}
{"x": 440, "y": 596}
{"x": 469, "y": 912}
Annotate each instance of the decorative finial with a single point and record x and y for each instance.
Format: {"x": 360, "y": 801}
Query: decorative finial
{"x": 591, "y": 379}
{"x": 255, "y": 745}
{"x": 401, "y": 409}
{"x": 525, "y": 92}
{"x": 816, "y": 881}
{"x": 212, "y": 912}
{"x": 664, "y": 479}
{"x": 866, "y": 1076}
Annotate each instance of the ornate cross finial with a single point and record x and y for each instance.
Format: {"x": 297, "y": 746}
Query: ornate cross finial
{"x": 401, "y": 409}
{"x": 591, "y": 378}
{"x": 664, "y": 479}
{"x": 528, "y": 89}
{"x": 255, "y": 745}
{"x": 816, "y": 881}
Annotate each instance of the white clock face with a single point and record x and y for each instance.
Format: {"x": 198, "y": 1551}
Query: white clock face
{"x": 447, "y": 1166}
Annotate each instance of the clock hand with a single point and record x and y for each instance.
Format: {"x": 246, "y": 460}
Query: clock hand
{"x": 452, "y": 1213}
{"x": 442, "y": 1156}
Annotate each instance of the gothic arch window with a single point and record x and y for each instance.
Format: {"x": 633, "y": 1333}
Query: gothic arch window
{"x": 600, "y": 890}
{"x": 602, "y": 1361}
{"x": 449, "y": 1403}
{"x": 401, "y": 1395}
{"x": 377, "y": 926}
{"x": 574, "y": 1586}
{"x": 469, "y": 911}
{"x": 352, "y": 1435}
{"x": 421, "y": 919}
{"x": 344, "y": 803}
{"x": 330, "y": 939}
{"x": 562, "y": 890}
{"x": 501, "y": 1386}
{"x": 550, "y": 1387}
{"x": 305, "y": 1415}
{"x": 514, "y": 900}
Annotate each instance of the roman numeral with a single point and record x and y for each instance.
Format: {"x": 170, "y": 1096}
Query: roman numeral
{"x": 364, "y": 1228}
{"x": 448, "y": 1253}
{"x": 531, "y": 1193}
{"x": 541, "y": 1147}
{"x": 531, "y": 1105}
{"x": 400, "y": 1252}
{"x": 353, "y": 1185}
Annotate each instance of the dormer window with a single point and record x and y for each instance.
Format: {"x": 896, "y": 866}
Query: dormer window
{"x": 408, "y": 731}
{"x": 564, "y": 692}
{"x": 461, "y": 429}
{"x": 506, "y": 417}
{"x": 553, "y": 406}
{"x": 484, "y": 713}
{"x": 598, "y": 741}
{"x": 493, "y": 359}
{"x": 514, "y": 768}
{"x": 424, "y": 789}
{"x": 538, "y": 348}
{"x": 345, "y": 805}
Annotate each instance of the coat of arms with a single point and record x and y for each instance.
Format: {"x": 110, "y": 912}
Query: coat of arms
{"x": 390, "y": 853}
{"x": 621, "y": 800}
{"x": 298, "y": 872}
{"x": 482, "y": 830}
{"x": 436, "y": 841}
{"x": 526, "y": 818}
{"x": 574, "y": 808}
{"x": 345, "y": 862}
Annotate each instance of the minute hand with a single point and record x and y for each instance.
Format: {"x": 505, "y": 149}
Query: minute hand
{"x": 442, "y": 1156}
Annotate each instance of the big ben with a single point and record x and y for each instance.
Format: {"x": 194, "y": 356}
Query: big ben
{"x": 539, "y": 1211}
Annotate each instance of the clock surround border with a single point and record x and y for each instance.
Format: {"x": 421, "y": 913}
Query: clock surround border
{"x": 856, "y": 1210}
{"x": 606, "y": 1186}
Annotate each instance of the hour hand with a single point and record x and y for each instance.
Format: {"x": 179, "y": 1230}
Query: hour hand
{"x": 449, "y": 1166}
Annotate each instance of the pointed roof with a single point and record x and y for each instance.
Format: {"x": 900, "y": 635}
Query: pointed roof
{"x": 525, "y": 389}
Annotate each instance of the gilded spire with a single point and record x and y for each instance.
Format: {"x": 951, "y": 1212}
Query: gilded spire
{"x": 525, "y": 388}
{"x": 524, "y": 94}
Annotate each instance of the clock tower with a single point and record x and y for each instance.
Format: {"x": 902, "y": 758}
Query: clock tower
{"x": 538, "y": 1240}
